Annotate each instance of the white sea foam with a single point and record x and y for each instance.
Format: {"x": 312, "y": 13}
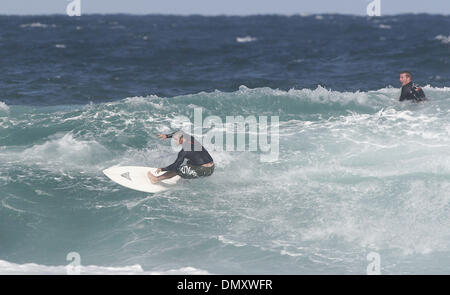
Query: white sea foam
{"x": 42, "y": 193}
{"x": 7, "y": 206}
{"x": 245, "y": 39}
{"x": 230, "y": 242}
{"x": 148, "y": 100}
{"x": 444, "y": 39}
{"x": 8, "y": 268}
{"x": 320, "y": 95}
{"x": 66, "y": 150}
{"x": 37, "y": 25}
{"x": 284, "y": 252}
{"x": 4, "y": 106}
{"x": 376, "y": 98}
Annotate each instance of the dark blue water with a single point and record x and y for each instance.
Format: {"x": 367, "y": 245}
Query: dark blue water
{"x": 63, "y": 60}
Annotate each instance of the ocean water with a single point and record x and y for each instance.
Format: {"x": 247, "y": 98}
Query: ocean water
{"x": 358, "y": 171}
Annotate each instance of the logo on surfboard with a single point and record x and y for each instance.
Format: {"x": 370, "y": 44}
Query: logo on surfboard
{"x": 126, "y": 175}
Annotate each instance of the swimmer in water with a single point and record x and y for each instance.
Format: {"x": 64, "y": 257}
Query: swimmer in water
{"x": 410, "y": 91}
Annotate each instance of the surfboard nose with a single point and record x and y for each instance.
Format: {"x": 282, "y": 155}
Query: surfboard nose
{"x": 136, "y": 177}
{"x": 109, "y": 172}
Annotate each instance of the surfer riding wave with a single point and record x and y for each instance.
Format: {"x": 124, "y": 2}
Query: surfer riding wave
{"x": 199, "y": 164}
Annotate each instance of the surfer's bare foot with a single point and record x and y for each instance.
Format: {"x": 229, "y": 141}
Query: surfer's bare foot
{"x": 152, "y": 177}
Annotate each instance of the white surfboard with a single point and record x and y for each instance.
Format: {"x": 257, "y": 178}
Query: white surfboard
{"x": 135, "y": 177}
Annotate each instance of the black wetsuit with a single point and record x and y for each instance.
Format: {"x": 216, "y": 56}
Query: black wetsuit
{"x": 412, "y": 92}
{"x": 196, "y": 155}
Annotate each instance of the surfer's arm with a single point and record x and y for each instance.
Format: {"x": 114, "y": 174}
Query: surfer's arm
{"x": 177, "y": 163}
{"x": 164, "y": 136}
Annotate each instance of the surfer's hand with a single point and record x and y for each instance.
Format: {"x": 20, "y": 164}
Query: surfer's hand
{"x": 162, "y": 136}
{"x": 158, "y": 170}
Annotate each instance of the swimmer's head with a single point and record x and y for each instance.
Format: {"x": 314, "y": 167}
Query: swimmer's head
{"x": 405, "y": 77}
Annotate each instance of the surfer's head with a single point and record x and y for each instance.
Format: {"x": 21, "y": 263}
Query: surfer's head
{"x": 405, "y": 77}
{"x": 178, "y": 137}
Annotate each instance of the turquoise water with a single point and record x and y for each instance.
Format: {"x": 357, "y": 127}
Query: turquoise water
{"x": 358, "y": 172}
